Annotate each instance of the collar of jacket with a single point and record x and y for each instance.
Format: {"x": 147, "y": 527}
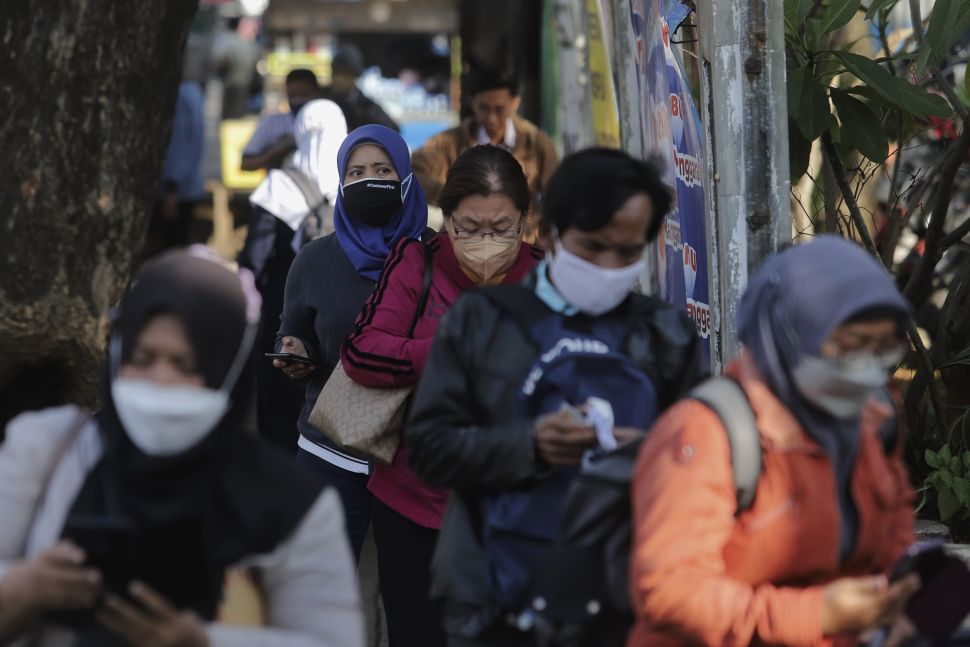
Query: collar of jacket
{"x": 525, "y": 132}
{"x": 777, "y": 426}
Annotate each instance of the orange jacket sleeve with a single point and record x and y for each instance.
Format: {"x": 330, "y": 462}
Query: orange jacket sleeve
{"x": 684, "y": 504}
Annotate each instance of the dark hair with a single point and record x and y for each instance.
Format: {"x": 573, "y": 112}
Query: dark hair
{"x": 487, "y": 79}
{"x": 302, "y": 75}
{"x": 590, "y": 186}
{"x": 484, "y": 170}
{"x": 348, "y": 58}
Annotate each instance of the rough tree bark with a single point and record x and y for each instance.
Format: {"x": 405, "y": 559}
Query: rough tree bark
{"x": 87, "y": 92}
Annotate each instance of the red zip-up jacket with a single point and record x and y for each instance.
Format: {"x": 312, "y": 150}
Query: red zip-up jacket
{"x": 379, "y": 354}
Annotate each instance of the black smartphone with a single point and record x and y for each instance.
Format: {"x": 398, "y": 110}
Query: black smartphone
{"x": 924, "y": 558}
{"x": 942, "y": 603}
{"x": 290, "y": 357}
{"x": 108, "y": 545}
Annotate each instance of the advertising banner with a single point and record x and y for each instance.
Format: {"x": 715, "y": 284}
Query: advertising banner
{"x": 672, "y": 135}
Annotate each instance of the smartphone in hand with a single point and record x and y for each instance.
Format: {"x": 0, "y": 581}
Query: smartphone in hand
{"x": 941, "y": 605}
{"x": 291, "y": 358}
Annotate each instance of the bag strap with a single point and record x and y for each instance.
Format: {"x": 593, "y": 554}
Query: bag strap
{"x": 425, "y": 291}
{"x": 725, "y": 397}
{"x": 309, "y": 189}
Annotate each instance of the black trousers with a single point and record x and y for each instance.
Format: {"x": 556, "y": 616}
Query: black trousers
{"x": 404, "y": 552}
{"x": 354, "y": 495}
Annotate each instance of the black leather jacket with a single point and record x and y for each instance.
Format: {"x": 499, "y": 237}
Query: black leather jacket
{"x": 462, "y": 432}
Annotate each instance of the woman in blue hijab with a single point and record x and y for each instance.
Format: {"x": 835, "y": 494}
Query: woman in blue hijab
{"x": 378, "y": 204}
{"x": 806, "y": 563}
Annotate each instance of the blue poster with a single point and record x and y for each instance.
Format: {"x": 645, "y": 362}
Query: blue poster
{"x": 672, "y": 133}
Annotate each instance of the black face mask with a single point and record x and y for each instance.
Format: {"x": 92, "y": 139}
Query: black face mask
{"x": 296, "y": 105}
{"x": 373, "y": 202}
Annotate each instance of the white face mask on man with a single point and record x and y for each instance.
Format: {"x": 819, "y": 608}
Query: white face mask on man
{"x": 167, "y": 419}
{"x": 593, "y": 289}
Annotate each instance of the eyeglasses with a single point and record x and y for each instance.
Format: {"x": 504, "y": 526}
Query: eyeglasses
{"x": 497, "y": 234}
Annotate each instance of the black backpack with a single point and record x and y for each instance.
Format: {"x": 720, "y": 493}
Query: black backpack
{"x": 580, "y": 594}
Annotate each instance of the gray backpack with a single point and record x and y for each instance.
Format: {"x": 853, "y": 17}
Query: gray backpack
{"x": 727, "y": 399}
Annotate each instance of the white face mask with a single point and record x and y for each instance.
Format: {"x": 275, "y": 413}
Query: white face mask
{"x": 841, "y": 388}
{"x": 589, "y": 287}
{"x": 163, "y": 420}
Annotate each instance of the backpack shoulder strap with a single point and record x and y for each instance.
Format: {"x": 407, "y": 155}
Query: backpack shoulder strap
{"x": 425, "y": 290}
{"x": 727, "y": 399}
{"x": 309, "y": 189}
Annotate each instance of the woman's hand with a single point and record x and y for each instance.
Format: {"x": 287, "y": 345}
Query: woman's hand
{"x": 561, "y": 439}
{"x": 294, "y": 370}
{"x": 153, "y": 622}
{"x": 54, "y": 579}
{"x": 855, "y": 604}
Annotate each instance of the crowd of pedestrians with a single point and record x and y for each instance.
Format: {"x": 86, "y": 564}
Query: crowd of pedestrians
{"x": 459, "y": 392}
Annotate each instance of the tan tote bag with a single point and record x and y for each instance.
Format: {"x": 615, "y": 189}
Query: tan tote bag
{"x": 362, "y": 421}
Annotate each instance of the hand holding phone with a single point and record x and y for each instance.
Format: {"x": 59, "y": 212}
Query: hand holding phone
{"x": 943, "y": 601}
{"x": 295, "y": 369}
{"x": 288, "y": 358}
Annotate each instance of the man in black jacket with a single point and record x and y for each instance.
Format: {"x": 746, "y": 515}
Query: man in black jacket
{"x": 358, "y": 108}
{"x": 466, "y": 432}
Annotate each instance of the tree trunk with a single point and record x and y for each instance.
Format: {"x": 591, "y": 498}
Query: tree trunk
{"x": 87, "y": 92}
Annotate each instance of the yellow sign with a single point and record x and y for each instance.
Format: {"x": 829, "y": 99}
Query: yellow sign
{"x": 606, "y": 119}
{"x": 234, "y": 134}
{"x": 279, "y": 64}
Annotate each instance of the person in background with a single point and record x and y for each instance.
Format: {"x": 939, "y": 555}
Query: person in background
{"x": 118, "y": 528}
{"x": 484, "y": 201}
{"x": 329, "y": 282}
{"x": 495, "y": 104}
{"x": 182, "y": 185}
{"x": 473, "y": 425}
{"x": 235, "y": 58}
{"x": 806, "y": 564}
{"x": 273, "y": 140}
{"x": 359, "y": 109}
{"x": 290, "y": 208}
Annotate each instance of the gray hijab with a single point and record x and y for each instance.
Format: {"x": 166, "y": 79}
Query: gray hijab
{"x": 792, "y": 304}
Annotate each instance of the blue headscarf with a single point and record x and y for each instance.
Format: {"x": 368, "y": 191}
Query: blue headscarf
{"x": 791, "y": 306}
{"x": 368, "y": 247}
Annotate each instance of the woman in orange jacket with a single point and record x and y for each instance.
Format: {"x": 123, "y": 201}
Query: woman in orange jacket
{"x": 822, "y": 326}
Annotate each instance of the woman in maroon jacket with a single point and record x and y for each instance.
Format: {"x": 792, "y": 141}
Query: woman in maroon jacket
{"x": 484, "y": 201}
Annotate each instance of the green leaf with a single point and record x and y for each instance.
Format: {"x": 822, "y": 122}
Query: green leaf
{"x": 799, "y": 151}
{"x": 813, "y": 108}
{"x": 948, "y": 503}
{"x": 838, "y": 14}
{"x": 960, "y": 359}
{"x": 796, "y": 10}
{"x": 896, "y": 91}
{"x": 947, "y": 479}
{"x": 945, "y": 455}
{"x": 948, "y": 22}
{"x": 931, "y": 459}
{"x": 860, "y": 127}
{"x": 961, "y": 488}
{"x": 877, "y": 5}
{"x": 796, "y": 82}
{"x": 955, "y": 464}
{"x": 966, "y": 460}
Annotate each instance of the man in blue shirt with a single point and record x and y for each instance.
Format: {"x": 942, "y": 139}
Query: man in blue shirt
{"x": 182, "y": 186}
{"x": 273, "y": 140}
